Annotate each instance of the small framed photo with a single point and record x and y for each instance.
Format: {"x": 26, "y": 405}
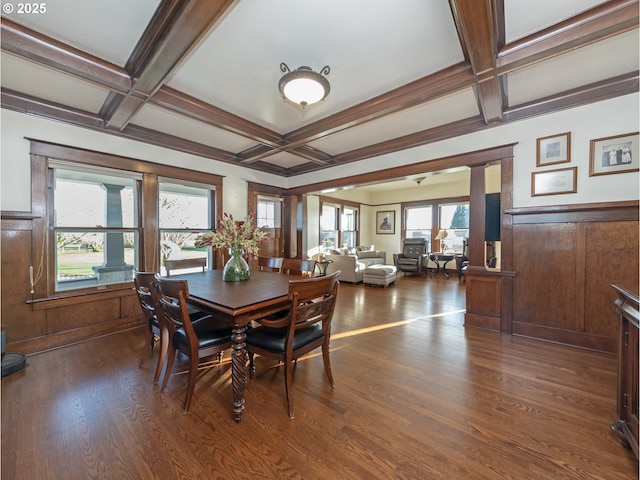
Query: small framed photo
{"x": 617, "y": 154}
{"x": 553, "y": 149}
{"x": 554, "y": 182}
{"x": 386, "y": 222}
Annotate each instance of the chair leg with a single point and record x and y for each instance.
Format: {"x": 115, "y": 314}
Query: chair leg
{"x": 167, "y": 372}
{"x": 191, "y": 383}
{"x": 327, "y": 362}
{"x": 288, "y": 384}
{"x": 162, "y": 353}
{"x": 148, "y": 345}
{"x": 252, "y": 365}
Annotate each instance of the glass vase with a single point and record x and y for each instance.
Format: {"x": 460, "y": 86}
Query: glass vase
{"x": 236, "y": 269}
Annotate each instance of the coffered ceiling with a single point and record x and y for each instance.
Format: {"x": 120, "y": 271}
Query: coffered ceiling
{"x": 201, "y": 76}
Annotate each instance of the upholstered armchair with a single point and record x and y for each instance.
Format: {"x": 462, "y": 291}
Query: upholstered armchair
{"x": 414, "y": 256}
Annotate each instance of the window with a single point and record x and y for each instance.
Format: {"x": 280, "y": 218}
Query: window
{"x": 268, "y": 212}
{"x": 418, "y": 223}
{"x": 95, "y": 226}
{"x": 184, "y": 210}
{"x": 349, "y": 226}
{"x": 329, "y": 226}
{"x": 454, "y": 218}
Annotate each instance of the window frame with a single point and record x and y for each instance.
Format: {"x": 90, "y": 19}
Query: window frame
{"x": 43, "y": 237}
{"x": 435, "y": 212}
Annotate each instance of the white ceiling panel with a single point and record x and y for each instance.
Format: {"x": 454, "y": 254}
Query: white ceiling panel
{"x": 524, "y": 17}
{"x": 441, "y": 111}
{"x": 615, "y": 56}
{"x": 41, "y": 82}
{"x": 163, "y": 120}
{"x": 107, "y": 29}
{"x": 285, "y": 160}
{"x": 366, "y": 56}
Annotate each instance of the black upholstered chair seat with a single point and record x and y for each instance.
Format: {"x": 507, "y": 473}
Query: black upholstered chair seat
{"x": 210, "y": 332}
{"x": 273, "y": 338}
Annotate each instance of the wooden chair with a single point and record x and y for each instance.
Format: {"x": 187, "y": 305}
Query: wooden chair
{"x": 143, "y": 282}
{"x": 296, "y": 266}
{"x": 185, "y": 263}
{"x": 270, "y": 264}
{"x": 204, "y": 338}
{"x": 307, "y": 327}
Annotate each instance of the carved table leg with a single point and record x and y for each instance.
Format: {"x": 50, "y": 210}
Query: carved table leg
{"x": 238, "y": 370}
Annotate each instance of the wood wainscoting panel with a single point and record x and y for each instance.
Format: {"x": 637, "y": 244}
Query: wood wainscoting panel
{"x": 483, "y": 295}
{"x": 82, "y": 314}
{"x": 545, "y": 283}
{"x": 18, "y": 320}
{"x": 608, "y": 260}
{"x": 565, "y": 262}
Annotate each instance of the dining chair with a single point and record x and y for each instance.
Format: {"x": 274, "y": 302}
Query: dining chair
{"x": 270, "y": 264}
{"x": 184, "y": 264}
{"x": 197, "y": 340}
{"x": 307, "y": 327}
{"x": 143, "y": 282}
{"x": 296, "y": 266}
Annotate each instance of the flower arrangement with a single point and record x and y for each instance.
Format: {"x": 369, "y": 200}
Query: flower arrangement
{"x": 244, "y": 235}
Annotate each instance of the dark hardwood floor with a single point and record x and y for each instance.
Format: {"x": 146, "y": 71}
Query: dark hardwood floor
{"x": 417, "y": 396}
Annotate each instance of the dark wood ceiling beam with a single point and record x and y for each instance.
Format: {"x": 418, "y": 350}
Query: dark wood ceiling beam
{"x": 32, "y": 46}
{"x": 19, "y": 102}
{"x": 606, "y": 20}
{"x": 614, "y": 87}
{"x": 420, "y": 91}
{"x": 477, "y": 32}
{"x": 192, "y": 21}
{"x": 260, "y": 152}
{"x": 618, "y": 86}
{"x": 176, "y": 101}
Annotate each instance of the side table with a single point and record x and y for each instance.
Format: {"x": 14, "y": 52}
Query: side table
{"x": 322, "y": 267}
{"x": 437, "y": 257}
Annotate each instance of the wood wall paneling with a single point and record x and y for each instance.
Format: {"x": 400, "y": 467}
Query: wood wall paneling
{"x": 18, "y": 321}
{"x": 565, "y": 262}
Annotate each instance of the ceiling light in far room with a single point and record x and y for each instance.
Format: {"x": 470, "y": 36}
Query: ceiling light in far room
{"x": 418, "y": 180}
{"x": 303, "y": 86}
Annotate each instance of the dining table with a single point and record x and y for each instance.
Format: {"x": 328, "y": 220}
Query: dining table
{"x": 238, "y": 303}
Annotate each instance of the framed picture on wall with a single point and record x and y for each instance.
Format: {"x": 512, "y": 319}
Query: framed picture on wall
{"x": 554, "y": 182}
{"x": 553, "y": 149}
{"x": 617, "y": 154}
{"x": 386, "y": 222}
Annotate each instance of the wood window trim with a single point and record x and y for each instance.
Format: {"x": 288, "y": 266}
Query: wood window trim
{"x": 42, "y": 235}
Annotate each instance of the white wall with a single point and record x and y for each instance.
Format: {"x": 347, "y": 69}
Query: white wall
{"x": 15, "y": 174}
{"x": 602, "y": 119}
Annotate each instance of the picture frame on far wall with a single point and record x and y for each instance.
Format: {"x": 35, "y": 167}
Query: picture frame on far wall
{"x": 553, "y": 149}
{"x": 618, "y": 154}
{"x": 554, "y": 182}
{"x": 386, "y": 222}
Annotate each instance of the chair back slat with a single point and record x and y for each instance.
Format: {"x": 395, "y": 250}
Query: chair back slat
{"x": 172, "y": 295}
{"x": 313, "y": 300}
{"x": 297, "y": 266}
{"x": 143, "y": 282}
{"x": 270, "y": 264}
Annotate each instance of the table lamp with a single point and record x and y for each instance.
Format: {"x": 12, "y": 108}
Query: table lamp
{"x": 442, "y": 234}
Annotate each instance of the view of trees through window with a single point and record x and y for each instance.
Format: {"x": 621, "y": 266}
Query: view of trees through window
{"x": 184, "y": 212}
{"x": 454, "y": 218}
{"x": 95, "y": 227}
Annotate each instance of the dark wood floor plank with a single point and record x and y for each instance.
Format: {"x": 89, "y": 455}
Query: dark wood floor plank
{"x": 416, "y": 396}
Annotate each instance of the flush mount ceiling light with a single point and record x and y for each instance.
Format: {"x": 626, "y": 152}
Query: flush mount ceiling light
{"x": 303, "y": 86}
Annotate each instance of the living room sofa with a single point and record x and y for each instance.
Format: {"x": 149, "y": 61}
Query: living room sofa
{"x": 352, "y": 265}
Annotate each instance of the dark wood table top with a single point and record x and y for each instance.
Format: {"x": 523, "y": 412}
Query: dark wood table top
{"x": 243, "y": 301}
